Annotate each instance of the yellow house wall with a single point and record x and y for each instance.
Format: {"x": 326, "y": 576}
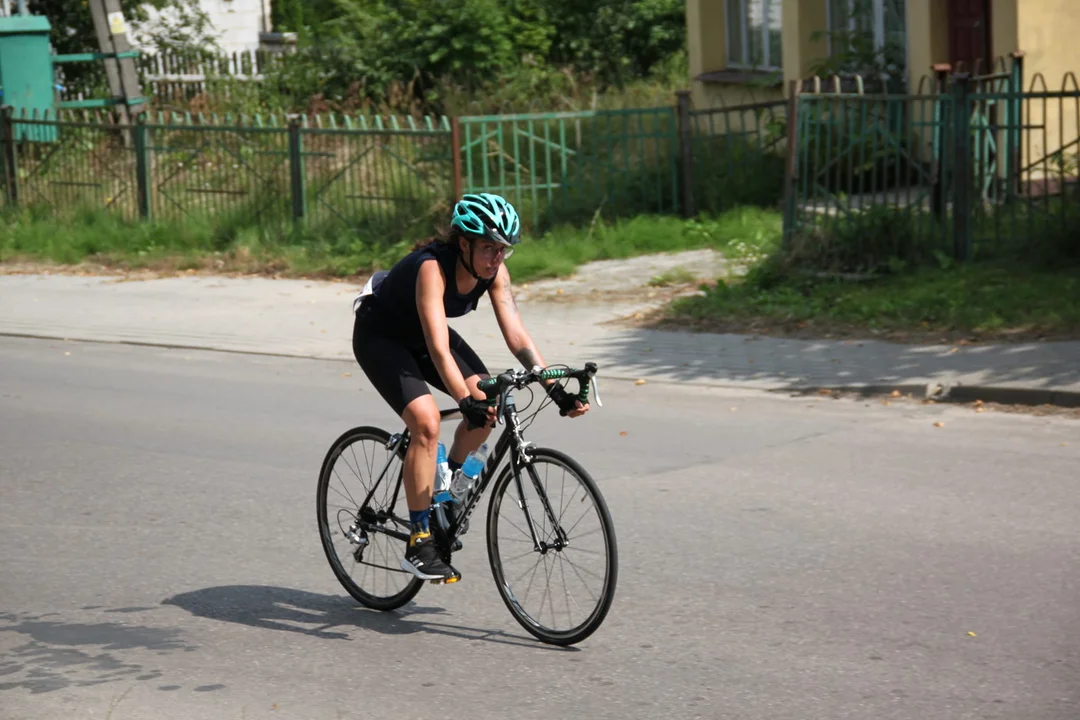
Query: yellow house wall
{"x": 928, "y": 41}
{"x": 706, "y": 23}
{"x": 711, "y": 95}
{"x": 1049, "y": 35}
{"x": 705, "y": 41}
{"x": 801, "y": 19}
{"x": 1004, "y": 37}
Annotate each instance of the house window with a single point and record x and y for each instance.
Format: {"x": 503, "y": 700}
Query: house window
{"x": 883, "y": 21}
{"x": 753, "y": 34}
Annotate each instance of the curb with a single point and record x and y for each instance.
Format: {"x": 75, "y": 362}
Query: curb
{"x": 958, "y": 394}
{"x": 933, "y": 391}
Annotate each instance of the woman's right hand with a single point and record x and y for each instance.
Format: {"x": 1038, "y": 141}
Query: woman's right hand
{"x": 477, "y": 412}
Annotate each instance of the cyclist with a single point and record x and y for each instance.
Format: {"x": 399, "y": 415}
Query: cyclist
{"x": 403, "y": 343}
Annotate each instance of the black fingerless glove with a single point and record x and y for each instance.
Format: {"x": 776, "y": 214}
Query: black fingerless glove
{"x": 560, "y": 397}
{"x": 475, "y": 411}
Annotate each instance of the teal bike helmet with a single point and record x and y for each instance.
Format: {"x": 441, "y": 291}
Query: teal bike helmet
{"x": 489, "y": 217}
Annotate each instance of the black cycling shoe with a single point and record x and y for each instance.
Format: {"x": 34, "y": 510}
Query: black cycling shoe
{"x": 422, "y": 560}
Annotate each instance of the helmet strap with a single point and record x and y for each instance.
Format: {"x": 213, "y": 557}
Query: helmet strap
{"x": 468, "y": 265}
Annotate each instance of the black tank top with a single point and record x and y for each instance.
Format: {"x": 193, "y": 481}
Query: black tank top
{"x": 392, "y": 306}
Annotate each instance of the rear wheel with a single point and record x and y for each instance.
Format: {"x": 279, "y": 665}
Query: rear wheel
{"x": 561, "y": 590}
{"x": 365, "y": 559}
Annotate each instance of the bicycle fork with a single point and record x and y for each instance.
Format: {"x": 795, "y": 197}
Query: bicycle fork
{"x": 540, "y": 546}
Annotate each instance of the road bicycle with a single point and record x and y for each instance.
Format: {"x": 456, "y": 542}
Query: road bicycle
{"x": 562, "y": 526}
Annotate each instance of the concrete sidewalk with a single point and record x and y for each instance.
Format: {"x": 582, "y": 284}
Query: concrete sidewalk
{"x": 314, "y": 319}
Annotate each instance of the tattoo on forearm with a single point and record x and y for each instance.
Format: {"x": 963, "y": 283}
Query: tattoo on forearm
{"x": 507, "y": 299}
{"x": 527, "y": 357}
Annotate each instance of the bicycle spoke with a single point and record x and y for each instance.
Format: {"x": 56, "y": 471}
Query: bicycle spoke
{"x": 583, "y": 515}
{"x": 531, "y": 579}
{"x": 577, "y": 549}
{"x": 589, "y": 572}
{"x": 547, "y": 590}
{"x": 527, "y": 535}
{"x": 528, "y": 552}
{"x": 566, "y": 595}
{"x": 346, "y": 496}
{"x": 569, "y": 595}
{"x": 379, "y": 582}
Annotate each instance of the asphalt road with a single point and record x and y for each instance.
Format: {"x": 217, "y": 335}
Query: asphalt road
{"x": 780, "y": 557}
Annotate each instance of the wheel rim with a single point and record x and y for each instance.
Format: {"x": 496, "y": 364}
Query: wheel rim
{"x": 373, "y": 568}
{"x": 560, "y": 591}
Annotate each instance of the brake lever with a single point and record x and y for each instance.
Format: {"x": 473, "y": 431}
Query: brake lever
{"x": 502, "y": 404}
{"x": 596, "y": 391}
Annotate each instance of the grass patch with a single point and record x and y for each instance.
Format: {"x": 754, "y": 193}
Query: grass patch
{"x": 744, "y": 233}
{"x": 878, "y": 274}
{"x": 979, "y": 301}
{"x": 674, "y": 276}
{"x": 107, "y": 240}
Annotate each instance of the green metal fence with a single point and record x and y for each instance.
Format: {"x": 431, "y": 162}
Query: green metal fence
{"x": 66, "y": 166}
{"x": 961, "y": 166}
{"x": 970, "y": 166}
{"x": 376, "y": 177}
{"x": 565, "y": 167}
{"x": 732, "y": 155}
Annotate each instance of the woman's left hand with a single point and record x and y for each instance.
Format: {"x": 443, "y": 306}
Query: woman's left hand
{"x": 578, "y": 410}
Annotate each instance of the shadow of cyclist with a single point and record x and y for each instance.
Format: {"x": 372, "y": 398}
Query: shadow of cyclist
{"x": 324, "y": 616}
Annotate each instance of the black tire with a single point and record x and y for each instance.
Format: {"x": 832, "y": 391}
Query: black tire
{"x": 367, "y": 597}
{"x": 595, "y": 618}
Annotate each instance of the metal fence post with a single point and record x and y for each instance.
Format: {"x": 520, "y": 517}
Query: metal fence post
{"x": 7, "y": 137}
{"x": 1014, "y": 155}
{"x": 686, "y": 152}
{"x": 142, "y": 166}
{"x": 791, "y": 167}
{"x": 455, "y": 148}
{"x": 962, "y": 170}
{"x": 941, "y": 165}
{"x": 296, "y": 170}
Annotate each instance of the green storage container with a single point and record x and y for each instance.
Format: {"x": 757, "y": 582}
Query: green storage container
{"x": 26, "y": 72}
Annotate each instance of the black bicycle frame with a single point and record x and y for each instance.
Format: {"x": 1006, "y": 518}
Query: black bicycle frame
{"x": 509, "y": 441}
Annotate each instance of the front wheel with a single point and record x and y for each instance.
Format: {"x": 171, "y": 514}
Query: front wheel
{"x": 574, "y": 548}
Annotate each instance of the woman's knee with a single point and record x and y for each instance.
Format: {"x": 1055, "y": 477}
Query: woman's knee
{"x": 423, "y": 420}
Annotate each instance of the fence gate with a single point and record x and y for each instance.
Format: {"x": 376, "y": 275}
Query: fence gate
{"x": 69, "y": 165}
{"x": 853, "y": 151}
{"x": 234, "y": 174}
{"x": 564, "y": 167}
{"x": 380, "y": 179}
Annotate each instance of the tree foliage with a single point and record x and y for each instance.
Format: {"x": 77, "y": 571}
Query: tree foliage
{"x": 351, "y": 48}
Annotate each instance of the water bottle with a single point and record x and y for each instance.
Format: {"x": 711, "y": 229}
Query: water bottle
{"x": 442, "y": 471}
{"x": 441, "y": 500}
{"x": 470, "y": 471}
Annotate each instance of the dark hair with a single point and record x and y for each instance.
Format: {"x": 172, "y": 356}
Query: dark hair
{"x": 442, "y": 235}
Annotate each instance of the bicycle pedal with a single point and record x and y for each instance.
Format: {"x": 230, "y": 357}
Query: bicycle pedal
{"x": 446, "y": 581}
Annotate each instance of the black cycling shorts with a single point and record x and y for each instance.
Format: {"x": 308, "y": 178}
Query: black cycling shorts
{"x": 402, "y": 374}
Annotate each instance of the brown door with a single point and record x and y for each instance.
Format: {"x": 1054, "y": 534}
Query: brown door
{"x": 969, "y": 36}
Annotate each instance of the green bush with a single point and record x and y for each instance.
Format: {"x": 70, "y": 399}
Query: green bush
{"x": 731, "y": 171}
{"x": 879, "y": 240}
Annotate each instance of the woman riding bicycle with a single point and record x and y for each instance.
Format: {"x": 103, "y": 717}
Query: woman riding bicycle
{"x": 403, "y": 343}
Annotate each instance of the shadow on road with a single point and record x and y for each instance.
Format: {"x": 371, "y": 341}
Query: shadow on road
{"x": 327, "y": 616}
{"x": 59, "y": 654}
{"x": 791, "y": 363}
